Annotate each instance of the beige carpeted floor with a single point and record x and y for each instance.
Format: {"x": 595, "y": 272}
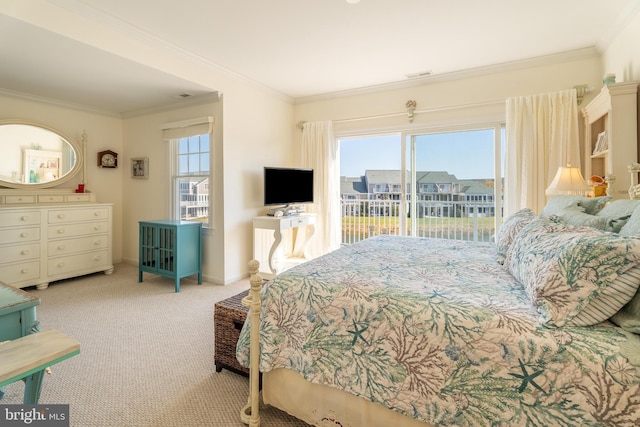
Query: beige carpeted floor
{"x": 146, "y": 357}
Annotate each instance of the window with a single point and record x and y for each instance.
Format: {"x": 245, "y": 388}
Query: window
{"x": 192, "y": 158}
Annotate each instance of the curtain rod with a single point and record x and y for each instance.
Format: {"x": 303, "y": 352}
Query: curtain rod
{"x": 300, "y": 124}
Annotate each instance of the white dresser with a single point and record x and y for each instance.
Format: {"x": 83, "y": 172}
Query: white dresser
{"x": 44, "y": 243}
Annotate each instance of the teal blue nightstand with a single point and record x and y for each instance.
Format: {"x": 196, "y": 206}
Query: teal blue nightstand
{"x": 170, "y": 248}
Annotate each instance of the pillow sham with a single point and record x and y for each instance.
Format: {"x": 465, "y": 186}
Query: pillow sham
{"x": 591, "y": 205}
{"x": 632, "y": 227}
{"x": 511, "y": 226}
{"x": 574, "y": 276}
{"x": 574, "y": 215}
{"x": 629, "y": 317}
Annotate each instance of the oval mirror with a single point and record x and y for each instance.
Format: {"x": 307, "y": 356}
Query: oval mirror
{"x": 36, "y": 156}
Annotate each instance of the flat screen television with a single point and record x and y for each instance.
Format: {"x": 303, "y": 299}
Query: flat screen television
{"x": 287, "y": 186}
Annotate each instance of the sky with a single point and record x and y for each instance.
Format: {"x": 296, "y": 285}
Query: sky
{"x": 467, "y": 155}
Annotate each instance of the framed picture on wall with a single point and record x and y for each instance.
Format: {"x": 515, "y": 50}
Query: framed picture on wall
{"x": 140, "y": 167}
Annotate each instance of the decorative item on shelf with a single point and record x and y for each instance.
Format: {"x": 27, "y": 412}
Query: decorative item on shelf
{"x": 140, "y": 167}
{"x": 608, "y": 79}
{"x": 598, "y": 185}
{"x": 568, "y": 182}
{"x": 80, "y": 188}
{"x": 108, "y": 159}
{"x": 602, "y": 143}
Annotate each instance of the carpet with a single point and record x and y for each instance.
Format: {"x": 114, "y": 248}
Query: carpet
{"x": 146, "y": 354}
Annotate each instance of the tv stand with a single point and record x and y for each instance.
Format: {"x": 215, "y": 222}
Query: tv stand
{"x": 279, "y": 243}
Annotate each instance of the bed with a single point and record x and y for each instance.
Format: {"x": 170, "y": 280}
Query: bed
{"x": 538, "y": 328}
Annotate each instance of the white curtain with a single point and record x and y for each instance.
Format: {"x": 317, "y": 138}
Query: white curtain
{"x": 320, "y": 152}
{"x": 542, "y": 135}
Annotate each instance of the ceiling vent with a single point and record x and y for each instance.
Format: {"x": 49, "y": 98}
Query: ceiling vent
{"x": 420, "y": 74}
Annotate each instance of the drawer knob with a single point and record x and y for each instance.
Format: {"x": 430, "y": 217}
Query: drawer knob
{"x": 61, "y": 216}
{"x": 25, "y": 234}
{"x": 24, "y": 271}
{"x": 61, "y": 247}
{"x": 97, "y": 258}
{"x": 60, "y": 230}
{"x": 97, "y": 213}
{"x": 24, "y": 218}
{"x": 25, "y": 252}
{"x": 61, "y": 264}
{"x": 97, "y": 227}
{"x": 97, "y": 242}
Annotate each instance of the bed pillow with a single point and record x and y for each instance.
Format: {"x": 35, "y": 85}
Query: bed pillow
{"x": 629, "y": 317}
{"x": 632, "y": 227}
{"x": 575, "y": 276}
{"x": 511, "y": 226}
{"x": 618, "y": 213}
{"x": 591, "y": 205}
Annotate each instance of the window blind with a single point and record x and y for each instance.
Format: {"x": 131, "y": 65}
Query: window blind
{"x": 187, "y": 128}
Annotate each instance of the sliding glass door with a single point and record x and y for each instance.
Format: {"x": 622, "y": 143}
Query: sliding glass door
{"x": 426, "y": 184}
{"x": 452, "y": 189}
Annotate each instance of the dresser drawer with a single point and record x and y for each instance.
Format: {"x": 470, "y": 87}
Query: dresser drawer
{"x": 79, "y": 198}
{"x": 19, "y": 199}
{"x": 294, "y": 221}
{"x": 91, "y": 261}
{"x": 19, "y": 272}
{"x": 81, "y": 229}
{"x": 73, "y": 215}
{"x": 18, "y": 218}
{"x": 18, "y": 235}
{"x": 19, "y": 253}
{"x": 80, "y": 244}
{"x": 53, "y": 198}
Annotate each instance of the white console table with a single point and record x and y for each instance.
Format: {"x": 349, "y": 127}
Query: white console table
{"x": 279, "y": 243}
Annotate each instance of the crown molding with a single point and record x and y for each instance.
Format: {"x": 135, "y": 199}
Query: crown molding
{"x": 57, "y": 103}
{"x": 539, "y": 61}
{"x": 188, "y": 102}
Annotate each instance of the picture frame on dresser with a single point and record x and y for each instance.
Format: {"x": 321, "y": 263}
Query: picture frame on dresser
{"x": 140, "y": 167}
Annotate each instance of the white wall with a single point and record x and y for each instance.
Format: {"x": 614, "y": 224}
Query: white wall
{"x": 103, "y": 133}
{"x": 622, "y": 56}
{"x": 252, "y": 129}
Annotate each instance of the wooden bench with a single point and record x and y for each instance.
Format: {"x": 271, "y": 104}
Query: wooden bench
{"x": 28, "y": 357}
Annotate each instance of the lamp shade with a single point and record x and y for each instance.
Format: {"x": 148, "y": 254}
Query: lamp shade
{"x": 568, "y": 181}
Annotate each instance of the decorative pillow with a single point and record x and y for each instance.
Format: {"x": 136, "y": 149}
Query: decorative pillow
{"x": 618, "y": 212}
{"x": 574, "y": 215}
{"x": 632, "y": 227}
{"x": 511, "y": 226}
{"x": 629, "y": 317}
{"x": 591, "y": 205}
{"x": 575, "y": 276}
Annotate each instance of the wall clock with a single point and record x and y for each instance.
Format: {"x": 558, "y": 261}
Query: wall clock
{"x": 108, "y": 159}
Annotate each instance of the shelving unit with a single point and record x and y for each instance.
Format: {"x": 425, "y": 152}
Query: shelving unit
{"x": 614, "y": 111}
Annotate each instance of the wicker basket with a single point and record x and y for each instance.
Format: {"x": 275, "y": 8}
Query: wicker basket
{"x": 229, "y": 316}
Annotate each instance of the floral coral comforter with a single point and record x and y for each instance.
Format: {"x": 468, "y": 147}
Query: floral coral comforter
{"x": 439, "y": 331}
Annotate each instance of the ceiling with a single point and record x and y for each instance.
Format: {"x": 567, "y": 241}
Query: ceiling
{"x": 298, "y": 48}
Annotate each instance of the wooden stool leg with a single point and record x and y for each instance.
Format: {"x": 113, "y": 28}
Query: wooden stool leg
{"x": 33, "y": 387}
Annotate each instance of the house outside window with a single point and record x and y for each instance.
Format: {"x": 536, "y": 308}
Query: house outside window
{"x": 192, "y": 157}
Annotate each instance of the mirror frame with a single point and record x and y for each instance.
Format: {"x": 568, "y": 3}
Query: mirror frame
{"x": 79, "y": 150}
